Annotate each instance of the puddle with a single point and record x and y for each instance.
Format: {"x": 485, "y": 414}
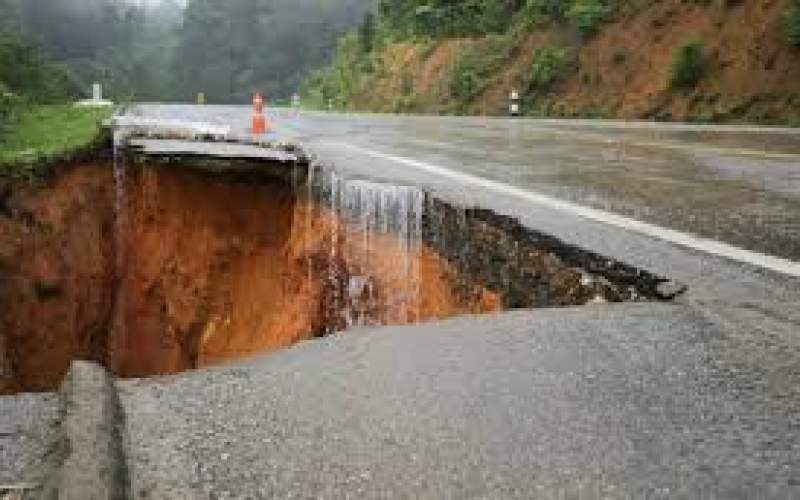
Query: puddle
{"x": 159, "y": 266}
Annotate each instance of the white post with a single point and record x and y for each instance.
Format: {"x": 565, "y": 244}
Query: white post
{"x": 514, "y": 106}
{"x": 97, "y": 98}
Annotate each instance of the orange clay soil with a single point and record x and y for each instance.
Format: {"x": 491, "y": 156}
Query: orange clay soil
{"x": 56, "y": 275}
{"x": 211, "y": 269}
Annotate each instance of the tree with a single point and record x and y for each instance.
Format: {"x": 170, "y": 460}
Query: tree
{"x": 231, "y": 49}
{"x": 366, "y": 32}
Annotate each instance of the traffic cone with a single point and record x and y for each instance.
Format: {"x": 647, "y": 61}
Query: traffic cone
{"x": 260, "y": 125}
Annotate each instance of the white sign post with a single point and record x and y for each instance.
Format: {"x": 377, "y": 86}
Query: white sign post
{"x": 97, "y": 97}
{"x": 514, "y": 109}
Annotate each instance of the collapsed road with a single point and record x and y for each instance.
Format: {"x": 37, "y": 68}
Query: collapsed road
{"x": 667, "y": 369}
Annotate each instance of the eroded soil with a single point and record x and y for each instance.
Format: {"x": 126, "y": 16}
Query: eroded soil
{"x": 190, "y": 269}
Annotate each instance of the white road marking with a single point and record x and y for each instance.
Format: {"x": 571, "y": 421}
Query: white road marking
{"x": 713, "y": 247}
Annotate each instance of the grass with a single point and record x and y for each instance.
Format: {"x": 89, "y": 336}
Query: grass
{"x": 40, "y": 134}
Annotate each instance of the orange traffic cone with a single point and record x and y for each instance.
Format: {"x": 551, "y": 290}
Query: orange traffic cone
{"x": 260, "y": 124}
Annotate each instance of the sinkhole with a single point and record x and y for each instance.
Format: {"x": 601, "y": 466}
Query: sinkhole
{"x": 159, "y": 265}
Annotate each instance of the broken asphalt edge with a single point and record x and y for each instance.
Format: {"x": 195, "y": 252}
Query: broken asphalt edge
{"x": 89, "y": 459}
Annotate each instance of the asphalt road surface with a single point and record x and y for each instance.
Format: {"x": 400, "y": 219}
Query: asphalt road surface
{"x": 699, "y": 398}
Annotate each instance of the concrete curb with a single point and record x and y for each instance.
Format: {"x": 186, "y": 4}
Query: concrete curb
{"x": 90, "y": 460}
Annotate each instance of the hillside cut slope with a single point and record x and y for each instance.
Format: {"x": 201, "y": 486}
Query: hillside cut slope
{"x": 720, "y": 61}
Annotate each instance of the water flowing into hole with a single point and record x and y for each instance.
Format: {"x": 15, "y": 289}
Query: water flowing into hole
{"x": 375, "y": 212}
{"x": 119, "y": 325}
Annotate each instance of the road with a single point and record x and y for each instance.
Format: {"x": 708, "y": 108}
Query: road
{"x": 696, "y": 399}
{"x": 699, "y": 398}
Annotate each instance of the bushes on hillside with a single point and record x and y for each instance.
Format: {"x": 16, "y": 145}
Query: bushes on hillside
{"x": 475, "y": 66}
{"x": 688, "y": 65}
{"x": 333, "y": 85}
{"x": 26, "y": 73}
{"x": 467, "y": 79}
{"x": 791, "y": 24}
{"x": 440, "y": 18}
{"x": 549, "y": 64}
{"x": 588, "y": 15}
{"x": 8, "y": 103}
{"x": 546, "y": 10}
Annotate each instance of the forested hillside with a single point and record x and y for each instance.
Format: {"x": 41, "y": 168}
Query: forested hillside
{"x": 115, "y": 42}
{"x": 705, "y": 60}
{"x": 171, "y": 49}
{"x": 228, "y": 49}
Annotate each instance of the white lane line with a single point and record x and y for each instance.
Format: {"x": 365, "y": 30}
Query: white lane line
{"x": 713, "y": 247}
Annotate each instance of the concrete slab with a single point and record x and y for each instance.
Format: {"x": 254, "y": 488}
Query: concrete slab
{"x": 225, "y": 150}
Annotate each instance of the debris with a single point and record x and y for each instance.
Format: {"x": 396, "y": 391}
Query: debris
{"x": 668, "y": 290}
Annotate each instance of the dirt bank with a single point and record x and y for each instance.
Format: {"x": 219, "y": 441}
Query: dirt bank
{"x": 191, "y": 268}
{"x": 56, "y": 273}
{"x": 750, "y": 72}
{"x": 219, "y": 267}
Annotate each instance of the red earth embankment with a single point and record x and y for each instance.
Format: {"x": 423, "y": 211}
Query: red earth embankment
{"x": 208, "y": 268}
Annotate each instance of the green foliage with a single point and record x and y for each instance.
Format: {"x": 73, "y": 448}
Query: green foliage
{"x": 336, "y": 83}
{"x": 366, "y": 32}
{"x": 161, "y": 51}
{"x": 47, "y": 132}
{"x": 229, "y": 49}
{"x": 8, "y": 100}
{"x": 468, "y": 78}
{"x": 404, "y": 19}
{"x": 549, "y": 64}
{"x": 475, "y": 67}
{"x": 109, "y": 41}
{"x": 588, "y": 15}
{"x": 791, "y": 24}
{"x": 9, "y": 104}
{"x": 25, "y": 72}
{"x": 547, "y": 10}
{"x": 688, "y": 65}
